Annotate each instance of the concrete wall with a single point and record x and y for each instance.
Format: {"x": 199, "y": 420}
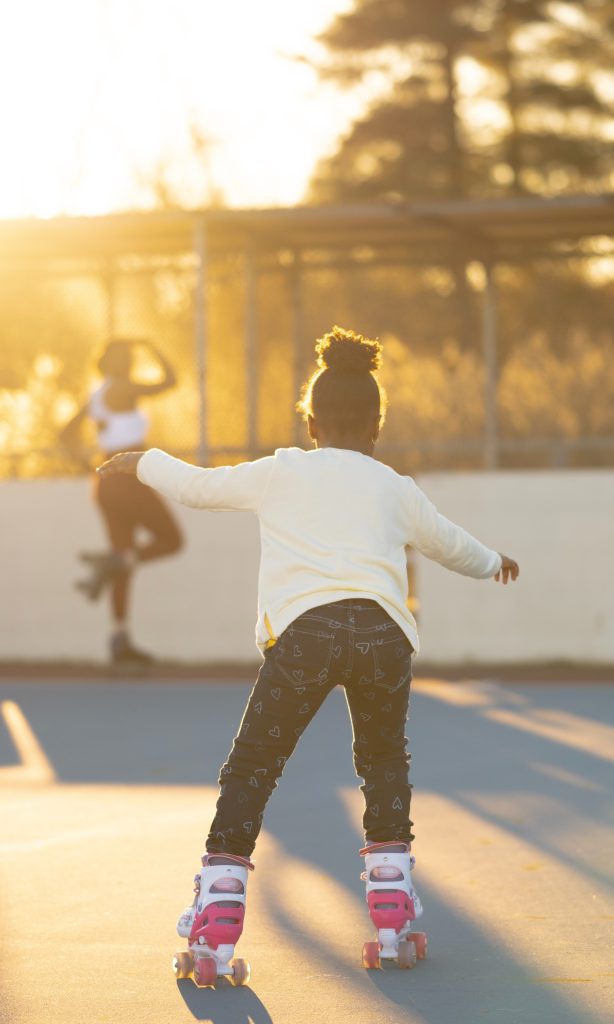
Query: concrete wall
{"x": 201, "y": 605}
{"x": 560, "y": 527}
{"x": 197, "y": 606}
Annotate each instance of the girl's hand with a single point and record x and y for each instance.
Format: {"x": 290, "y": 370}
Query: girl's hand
{"x": 509, "y": 570}
{"x": 125, "y": 462}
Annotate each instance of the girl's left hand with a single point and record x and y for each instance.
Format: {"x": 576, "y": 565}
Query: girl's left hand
{"x": 509, "y": 570}
{"x": 125, "y": 462}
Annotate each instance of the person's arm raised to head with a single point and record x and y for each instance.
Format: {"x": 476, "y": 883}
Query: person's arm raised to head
{"x": 169, "y": 377}
{"x": 453, "y": 547}
{"x": 225, "y": 487}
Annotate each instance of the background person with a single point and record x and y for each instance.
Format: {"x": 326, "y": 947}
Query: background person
{"x": 124, "y": 502}
{"x": 333, "y": 610}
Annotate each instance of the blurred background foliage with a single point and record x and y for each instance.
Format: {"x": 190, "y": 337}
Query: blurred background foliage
{"x": 493, "y": 98}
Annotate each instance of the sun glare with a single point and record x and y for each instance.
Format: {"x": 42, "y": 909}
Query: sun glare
{"x": 100, "y": 98}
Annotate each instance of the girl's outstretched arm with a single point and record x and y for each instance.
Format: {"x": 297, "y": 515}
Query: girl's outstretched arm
{"x": 223, "y": 487}
{"x": 449, "y": 544}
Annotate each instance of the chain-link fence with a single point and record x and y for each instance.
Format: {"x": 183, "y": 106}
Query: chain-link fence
{"x": 239, "y": 324}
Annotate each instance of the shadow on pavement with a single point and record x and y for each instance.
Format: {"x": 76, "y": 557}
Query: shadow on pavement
{"x": 180, "y": 735}
{"x": 224, "y": 1004}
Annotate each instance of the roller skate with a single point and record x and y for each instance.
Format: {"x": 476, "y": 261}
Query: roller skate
{"x": 212, "y": 925}
{"x": 393, "y": 906}
{"x": 124, "y": 655}
{"x": 103, "y": 567}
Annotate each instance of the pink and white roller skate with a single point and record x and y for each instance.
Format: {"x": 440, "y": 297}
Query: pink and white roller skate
{"x": 393, "y": 906}
{"x": 214, "y": 922}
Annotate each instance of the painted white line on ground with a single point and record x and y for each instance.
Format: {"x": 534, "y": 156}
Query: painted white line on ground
{"x": 35, "y": 765}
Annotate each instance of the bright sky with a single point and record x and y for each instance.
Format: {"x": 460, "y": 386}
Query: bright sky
{"x": 94, "y": 94}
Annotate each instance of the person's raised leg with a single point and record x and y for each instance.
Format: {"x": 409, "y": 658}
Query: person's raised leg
{"x": 151, "y": 512}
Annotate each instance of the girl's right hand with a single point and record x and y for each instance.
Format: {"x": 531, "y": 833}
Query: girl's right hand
{"x": 509, "y": 570}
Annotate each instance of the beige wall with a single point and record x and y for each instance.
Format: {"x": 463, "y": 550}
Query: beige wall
{"x": 197, "y": 606}
{"x": 560, "y": 527}
{"x": 201, "y": 605}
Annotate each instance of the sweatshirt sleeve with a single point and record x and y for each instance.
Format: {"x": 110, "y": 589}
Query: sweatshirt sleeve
{"x": 225, "y": 487}
{"x": 445, "y": 542}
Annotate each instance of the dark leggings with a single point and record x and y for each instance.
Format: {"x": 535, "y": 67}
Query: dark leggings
{"x": 352, "y": 643}
{"x": 127, "y": 504}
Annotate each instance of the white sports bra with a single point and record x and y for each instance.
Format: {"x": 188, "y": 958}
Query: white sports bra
{"x": 117, "y": 431}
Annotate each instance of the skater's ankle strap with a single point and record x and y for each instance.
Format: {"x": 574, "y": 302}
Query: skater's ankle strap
{"x": 394, "y": 846}
{"x": 232, "y": 858}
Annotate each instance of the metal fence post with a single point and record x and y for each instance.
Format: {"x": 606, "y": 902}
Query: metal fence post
{"x": 201, "y": 336}
{"x": 297, "y": 340}
{"x": 251, "y": 352}
{"x": 489, "y": 350}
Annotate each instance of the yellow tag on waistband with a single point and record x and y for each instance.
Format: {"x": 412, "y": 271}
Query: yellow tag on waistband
{"x": 273, "y": 639}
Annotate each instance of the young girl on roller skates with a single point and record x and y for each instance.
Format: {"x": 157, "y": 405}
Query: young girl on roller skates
{"x": 332, "y": 611}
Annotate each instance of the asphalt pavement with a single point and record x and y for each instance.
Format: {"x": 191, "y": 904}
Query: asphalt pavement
{"x": 107, "y": 790}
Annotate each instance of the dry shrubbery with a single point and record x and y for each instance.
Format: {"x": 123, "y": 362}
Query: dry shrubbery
{"x": 541, "y": 393}
{"x": 544, "y": 394}
{"x": 433, "y": 397}
{"x": 556, "y": 381}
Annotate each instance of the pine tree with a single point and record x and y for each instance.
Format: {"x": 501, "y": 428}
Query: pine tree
{"x": 417, "y": 141}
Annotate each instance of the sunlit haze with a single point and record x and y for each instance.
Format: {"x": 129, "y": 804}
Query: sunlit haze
{"x": 101, "y": 98}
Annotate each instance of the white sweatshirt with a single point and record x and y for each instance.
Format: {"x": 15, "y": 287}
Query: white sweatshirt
{"x": 334, "y": 525}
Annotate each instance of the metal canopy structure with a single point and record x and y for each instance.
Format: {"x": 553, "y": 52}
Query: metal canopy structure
{"x": 300, "y": 238}
{"x": 495, "y": 230}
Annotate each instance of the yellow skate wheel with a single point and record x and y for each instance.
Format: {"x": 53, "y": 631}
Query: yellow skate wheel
{"x": 205, "y": 971}
{"x": 421, "y": 943}
{"x": 406, "y": 957}
{"x": 370, "y": 955}
{"x": 183, "y": 964}
{"x": 240, "y": 971}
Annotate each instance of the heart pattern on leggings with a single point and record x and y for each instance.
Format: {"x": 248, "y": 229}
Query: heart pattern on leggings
{"x": 321, "y": 660}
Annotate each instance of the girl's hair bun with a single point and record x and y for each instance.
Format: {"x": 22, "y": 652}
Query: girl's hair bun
{"x": 347, "y": 352}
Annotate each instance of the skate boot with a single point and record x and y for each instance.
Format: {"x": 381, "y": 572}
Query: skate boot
{"x": 214, "y": 922}
{"x": 393, "y": 906}
{"x": 124, "y": 655}
{"x": 103, "y": 567}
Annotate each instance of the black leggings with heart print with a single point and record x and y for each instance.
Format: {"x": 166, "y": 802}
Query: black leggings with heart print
{"x": 354, "y": 644}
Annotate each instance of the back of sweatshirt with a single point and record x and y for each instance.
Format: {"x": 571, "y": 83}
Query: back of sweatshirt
{"x": 334, "y": 524}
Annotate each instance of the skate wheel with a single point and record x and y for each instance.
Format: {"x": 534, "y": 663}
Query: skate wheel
{"x": 205, "y": 971}
{"x": 406, "y": 957}
{"x": 370, "y": 955}
{"x": 240, "y": 971}
{"x": 421, "y": 942}
{"x": 183, "y": 964}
